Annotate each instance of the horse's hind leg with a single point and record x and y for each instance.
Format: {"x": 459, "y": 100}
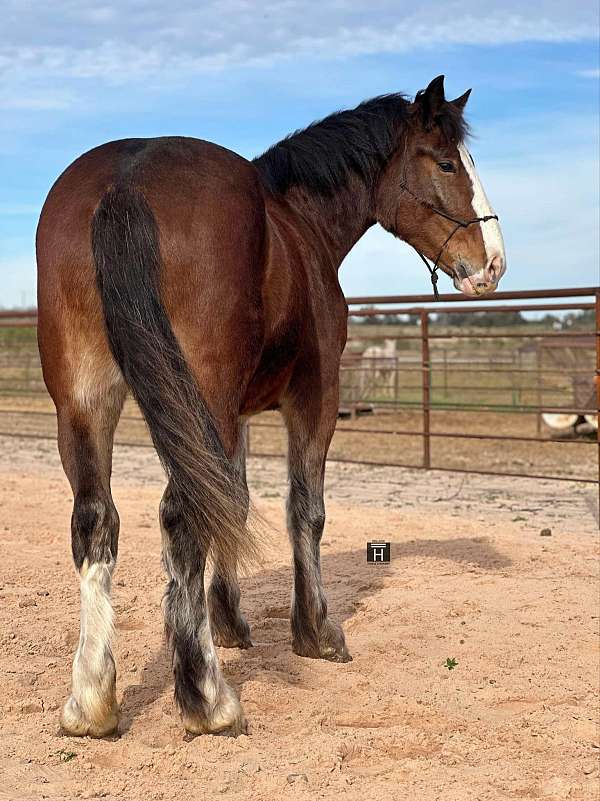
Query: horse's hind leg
{"x": 208, "y": 705}
{"x": 86, "y": 424}
{"x": 229, "y": 628}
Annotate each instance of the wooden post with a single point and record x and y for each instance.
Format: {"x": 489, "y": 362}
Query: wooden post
{"x": 426, "y": 373}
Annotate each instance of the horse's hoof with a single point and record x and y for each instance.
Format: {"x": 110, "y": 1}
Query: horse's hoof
{"x": 231, "y": 640}
{"x": 335, "y": 655}
{"x": 329, "y": 644}
{"x": 226, "y": 718}
{"x": 75, "y": 723}
{"x": 229, "y": 630}
{"x": 327, "y": 652}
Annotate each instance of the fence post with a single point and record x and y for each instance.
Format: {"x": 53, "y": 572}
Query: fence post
{"x": 538, "y": 371}
{"x": 425, "y": 368}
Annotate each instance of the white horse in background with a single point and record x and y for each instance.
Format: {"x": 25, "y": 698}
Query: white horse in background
{"x": 378, "y": 369}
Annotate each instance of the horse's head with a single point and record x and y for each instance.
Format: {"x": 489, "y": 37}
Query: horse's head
{"x": 430, "y": 195}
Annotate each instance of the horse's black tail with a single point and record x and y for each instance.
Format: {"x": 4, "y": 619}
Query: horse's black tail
{"x": 204, "y": 484}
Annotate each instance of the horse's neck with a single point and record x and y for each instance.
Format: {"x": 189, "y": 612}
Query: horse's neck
{"x": 336, "y": 222}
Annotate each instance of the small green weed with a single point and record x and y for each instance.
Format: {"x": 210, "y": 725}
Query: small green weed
{"x": 66, "y": 756}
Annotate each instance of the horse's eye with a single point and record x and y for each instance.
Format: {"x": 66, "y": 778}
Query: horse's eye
{"x": 446, "y": 166}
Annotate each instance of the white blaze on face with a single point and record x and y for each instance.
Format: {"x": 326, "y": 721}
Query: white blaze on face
{"x": 490, "y": 230}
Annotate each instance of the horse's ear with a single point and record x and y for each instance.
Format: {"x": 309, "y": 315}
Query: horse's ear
{"x": 461, "y": 101}
{"x": 431, "y": 101}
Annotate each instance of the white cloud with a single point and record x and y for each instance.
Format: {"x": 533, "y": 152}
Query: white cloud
{"x": 24, "y": 98}
{"x": 135, "y": 41}
{"x": 591, "y": 73}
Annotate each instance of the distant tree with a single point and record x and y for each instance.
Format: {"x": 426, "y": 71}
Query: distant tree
{"x": 383, "y": 319}
{"x": 480, "y": 319}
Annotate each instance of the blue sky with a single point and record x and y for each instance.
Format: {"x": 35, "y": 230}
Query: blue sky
{"x": 75, "y": 74}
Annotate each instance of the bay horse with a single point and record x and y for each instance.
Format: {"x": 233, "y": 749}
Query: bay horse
{"x": 207, "y": 285}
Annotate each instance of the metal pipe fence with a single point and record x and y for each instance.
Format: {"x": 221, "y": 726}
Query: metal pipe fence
{"x": 543, "y": 399}
{"x": 422, "y": 380}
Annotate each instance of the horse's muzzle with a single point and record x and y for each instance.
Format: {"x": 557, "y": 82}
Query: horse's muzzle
{"x": 483, "y": 282}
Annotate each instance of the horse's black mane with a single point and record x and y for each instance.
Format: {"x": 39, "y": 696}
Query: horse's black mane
{"x": 322, "y": 157}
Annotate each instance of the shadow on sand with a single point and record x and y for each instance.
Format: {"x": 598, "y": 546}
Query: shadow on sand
{"x": 348, "y": 581}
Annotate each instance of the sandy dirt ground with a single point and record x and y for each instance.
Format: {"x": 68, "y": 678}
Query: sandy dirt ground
{"x": 471, "y": 579}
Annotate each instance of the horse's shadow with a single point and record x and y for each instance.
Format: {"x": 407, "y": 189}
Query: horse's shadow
{"x": 348, "y": 581}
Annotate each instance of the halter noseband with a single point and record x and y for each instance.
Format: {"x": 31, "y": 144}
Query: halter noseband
{"x": 458, "y": 224}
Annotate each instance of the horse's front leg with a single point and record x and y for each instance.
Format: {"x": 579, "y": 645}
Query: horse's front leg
{"x": 309, "y": 435}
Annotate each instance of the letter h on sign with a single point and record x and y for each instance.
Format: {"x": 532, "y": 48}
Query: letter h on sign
{"x": 378, "y": 552}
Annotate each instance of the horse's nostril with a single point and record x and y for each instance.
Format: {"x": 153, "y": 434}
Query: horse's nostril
{"x": 493, "y": 271}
